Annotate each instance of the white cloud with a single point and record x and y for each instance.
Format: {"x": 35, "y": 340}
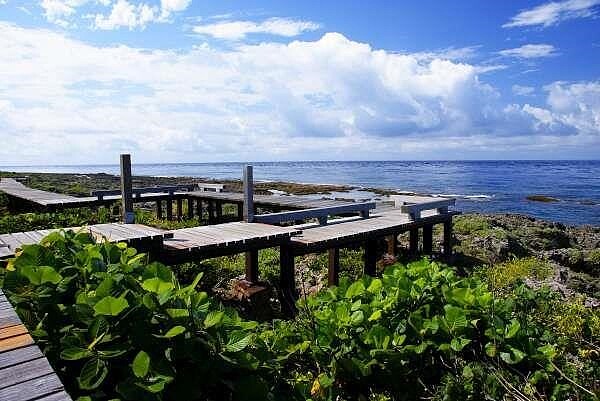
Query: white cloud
{"x": 126, "y": 14}
{"x": 65, "y": 101}
{"x": 530, "y": 51}
{"x": 237, "y": 30}
{"x": 522, "y": 90}
{"x": 169, "y": 7}
{"x": 56, "y": 11}
{"x": 553, "y": 12}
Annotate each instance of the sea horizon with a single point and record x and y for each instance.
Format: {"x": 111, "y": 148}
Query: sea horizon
{"x": 486, "y": 186}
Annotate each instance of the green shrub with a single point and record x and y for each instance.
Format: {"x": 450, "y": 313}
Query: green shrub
{"x": 502, "y": 277}
{"x": 470, "y": 224}
{"x": 114, "y": 326}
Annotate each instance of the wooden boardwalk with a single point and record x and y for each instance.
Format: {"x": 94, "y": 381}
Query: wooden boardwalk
{"x": 25, "y": 373}
{"x": 137, "y": 235}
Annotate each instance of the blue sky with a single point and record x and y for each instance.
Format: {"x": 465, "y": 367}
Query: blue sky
{"x": 189, "y": 80}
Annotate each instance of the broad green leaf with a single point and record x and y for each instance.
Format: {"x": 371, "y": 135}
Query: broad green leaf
{"x": 238, "y": 340}
{"x": 375, "y": 286}
{"x": 512, "y": 357}
{"x": 356, "y": 289}
{"x": 512, "y": 329}
{"x": 92, "y": 374}
{"x": 141, "y": 364}
{"x": 375, "y": 315}
{"x": 457, "y": 344}
{"x": 75, "y": 353}
{"x": 157, "y": 286}
{"x": 548, "y": 350}
{"x": 213, "y": 318}
{"x": 357, "y": 317}
{"x": 110, "y": 306}
{"x": 491, "y": 350}
{"x": 174, "y": 331}
{"x": 455, "y": 318}
{"x": 41, "y": 275}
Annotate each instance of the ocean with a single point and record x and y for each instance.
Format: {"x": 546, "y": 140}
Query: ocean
{"x": 479, "y": 186}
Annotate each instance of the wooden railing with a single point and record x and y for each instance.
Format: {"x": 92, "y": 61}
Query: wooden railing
{"x": 136, "y": 192}
{"x": 320, "y": 214}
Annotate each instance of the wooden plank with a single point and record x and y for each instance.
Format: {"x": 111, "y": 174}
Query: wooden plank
{"x": 19, "y": 355}
{"x": 32, "y": 389}
{"x": 15, "y": 342}
{"x": 12, "y": 331}
{"x": 60, "y": 396}
{"x": 24, "y": 372}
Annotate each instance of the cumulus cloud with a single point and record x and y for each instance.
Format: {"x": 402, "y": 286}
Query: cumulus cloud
{"x": 57, "y": 11}
{"x": 523, "y": 90}
{"x": 237, "y": 30}
{"x": 126, "y": 14}
{"x": 332, "y": 98}
{"x": 554, "y": 12}
{"x": 530, "y": 51}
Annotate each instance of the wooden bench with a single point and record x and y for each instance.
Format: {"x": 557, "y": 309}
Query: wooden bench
{"x": 137, "y": 192}
{"x": 414, "y": 205}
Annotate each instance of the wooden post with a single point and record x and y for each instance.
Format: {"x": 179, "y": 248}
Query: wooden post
{"x": 413, "y": 241}
{"x": 248, "y": 180}
{"x": 126, "y": 189}
{"x": 170, "y": 208}
{"x": 179, "y": 208}
{"x": 159, "y": 214}
{"x": 211, "y": 212}
{"x": 190, "y": 207}
{"x": 240, "y": 211}
{"x": 428, "y": 239}
{"x": 252, "y": 266}
{"x": 371, "y": 257}
{"x": 219, "y": 207}
{"x": 334, "y": 267}
{"x": 199, "y": 208}
{"x": 287, "y": 280}
{"x": 392, "y": 244}
{"x": 448, "y": 237}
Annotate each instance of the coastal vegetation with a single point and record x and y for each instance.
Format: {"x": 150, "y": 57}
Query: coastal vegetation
{"x": 515, "y": 315}
{"x": 116, "y": 326}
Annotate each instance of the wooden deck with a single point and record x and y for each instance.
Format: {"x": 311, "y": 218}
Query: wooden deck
{"x": 137, "y": 235}
{"x": 222, "y": 239}
{"x": 25, "y": 373}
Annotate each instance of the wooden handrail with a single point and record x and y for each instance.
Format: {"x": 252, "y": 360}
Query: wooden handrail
{"x": 320, "y": 213}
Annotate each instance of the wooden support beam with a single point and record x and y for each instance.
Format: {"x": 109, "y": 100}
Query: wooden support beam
{"x": 169, "y": 208}
{"x": 159, "y": 213}
{"x": 448, "y": 237}
{"x": 413, "y": 241}
{"x": 240, "y": 211}
{"x": 287, "y": 280}
{"x": 252, "y": 266}
{"x": 334, "y": 267}
{"x": 370, "y": 257}
{"x": 190, "y": 208}
{"x": 392, "y": 244}
{"x": 199, "y": 209}
{"x": 179, "y": 208}
{"x": 211, "y": 212}
{"x": 126, "y": 189}
{"x": 428, "y": 239}
{"x": 219, "y": 210}
{"x": 248, "y": 180}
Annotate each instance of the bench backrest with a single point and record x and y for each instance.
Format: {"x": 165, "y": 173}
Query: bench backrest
{"x": 320, "y": 213}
